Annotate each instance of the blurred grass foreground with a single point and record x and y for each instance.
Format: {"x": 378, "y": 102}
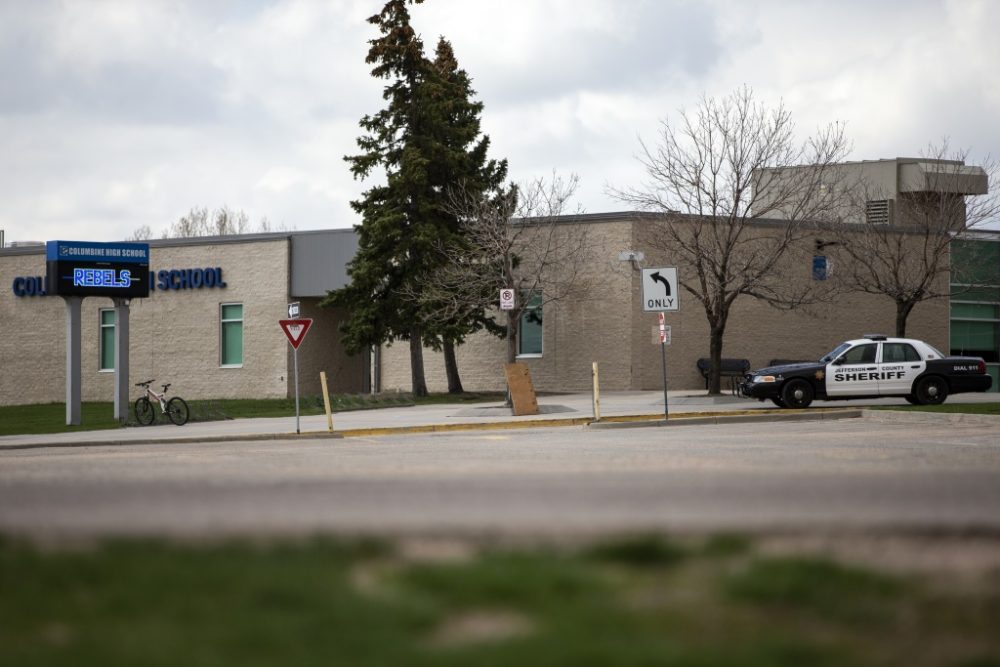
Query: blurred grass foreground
{"x": 635, "y": 601}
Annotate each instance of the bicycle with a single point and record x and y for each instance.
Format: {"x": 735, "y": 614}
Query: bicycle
{"x": 176, "y": 408}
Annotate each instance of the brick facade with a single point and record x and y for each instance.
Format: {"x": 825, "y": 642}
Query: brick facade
{"x": 175, "y": 334}
{"x": 612, "y": 329}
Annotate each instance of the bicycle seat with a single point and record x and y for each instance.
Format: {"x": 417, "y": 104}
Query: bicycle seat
{"x": 144, "y": 384}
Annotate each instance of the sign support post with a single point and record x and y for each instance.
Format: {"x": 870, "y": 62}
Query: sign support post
{"x": 74, "y": 373}
{"x": 663, "y": 354}
{"x": 295, "y": 355}
{"x": 295, "y": 331}
{"x": 121, "y": 358}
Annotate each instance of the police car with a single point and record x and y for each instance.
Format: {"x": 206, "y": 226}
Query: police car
{"x": 873, "y": 366}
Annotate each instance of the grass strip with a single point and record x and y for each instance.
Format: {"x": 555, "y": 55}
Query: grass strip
{"x": 630, "y": 601}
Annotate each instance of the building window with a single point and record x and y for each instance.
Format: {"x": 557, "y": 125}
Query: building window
{"x": 529, "y": 337}
{"x": 232, "y": 334}
{"x": 820, "y": 267}
{"x": 975, "y": 330}
{"x": 107, "y": 344}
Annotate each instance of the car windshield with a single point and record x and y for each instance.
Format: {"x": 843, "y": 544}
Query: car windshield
{"x": 834, "y": 353}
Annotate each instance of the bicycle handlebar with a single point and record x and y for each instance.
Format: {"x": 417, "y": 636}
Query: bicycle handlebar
{"x": 144, "y": 384}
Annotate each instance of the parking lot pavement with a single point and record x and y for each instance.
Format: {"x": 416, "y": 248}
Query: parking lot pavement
{"x": 575, "y": 408}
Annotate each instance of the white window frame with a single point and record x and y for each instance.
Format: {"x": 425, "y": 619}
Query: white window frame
{"x": 520, "y": 332}
{"x": 222, "y": 333}
{"x": 101, "y": 326}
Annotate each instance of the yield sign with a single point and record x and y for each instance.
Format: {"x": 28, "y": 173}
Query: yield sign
{"x": 295, "y": 330}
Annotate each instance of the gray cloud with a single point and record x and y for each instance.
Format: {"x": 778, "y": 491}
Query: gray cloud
{"x": 115, "y": 114}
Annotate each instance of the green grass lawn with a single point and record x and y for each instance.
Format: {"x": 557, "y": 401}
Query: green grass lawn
{"x": 641, "y": 601}
{"x": 51, "y": 417}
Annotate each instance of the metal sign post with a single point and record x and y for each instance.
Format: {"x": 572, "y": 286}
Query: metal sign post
{"x": 664, "y": 336}
{"x": 295, "y": 331}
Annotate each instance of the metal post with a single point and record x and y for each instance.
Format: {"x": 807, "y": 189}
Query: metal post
{"x": 597, "y": 395}
{"x": 663, "y": 350}
{"x": 121, "y": 358}
{"x": 74, "y": 375}
{"x": 296, "y": 358}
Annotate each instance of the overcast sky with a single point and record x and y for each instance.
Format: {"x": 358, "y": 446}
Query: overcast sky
{"x": 116, "y": 114}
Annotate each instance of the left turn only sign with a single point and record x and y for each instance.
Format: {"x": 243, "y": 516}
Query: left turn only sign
{"x": 295, "y": 330}
{"x": 659, "y": 289}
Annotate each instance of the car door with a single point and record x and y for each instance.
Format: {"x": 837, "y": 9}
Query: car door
{"x": 854, "y": 373}
{"x": 899, "y": 366}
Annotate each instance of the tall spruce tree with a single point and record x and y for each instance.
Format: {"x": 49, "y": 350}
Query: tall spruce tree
{"x": 425, "y": 140}
{"x": 459, "y": 160}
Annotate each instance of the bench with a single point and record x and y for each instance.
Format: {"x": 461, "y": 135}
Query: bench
{"x": 734, "y": 369}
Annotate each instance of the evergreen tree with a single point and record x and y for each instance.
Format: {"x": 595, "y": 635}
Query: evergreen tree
{"x": 425, "y": 140}
{"x": 393, "y": 237}
{"x": 458, "y": 161}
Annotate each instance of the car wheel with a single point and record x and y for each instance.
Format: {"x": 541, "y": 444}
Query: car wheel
{"x": 797, "y": 394}
{"x": 931, "y": 390}
{"x": 912, "y": 400}
{"x": 780, "y": 403}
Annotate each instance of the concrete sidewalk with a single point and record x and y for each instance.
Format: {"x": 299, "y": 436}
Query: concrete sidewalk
{"x": 622, "y": 408}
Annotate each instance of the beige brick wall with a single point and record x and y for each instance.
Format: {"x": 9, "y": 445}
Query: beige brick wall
{"x": 320, "y": 351}
{"x": 174, "y": 335}
{"x": 575, "y": 333}
{"x": 608, "y": 327}
{"x": 612, "y": 329}
{"x": 32, "y": 338}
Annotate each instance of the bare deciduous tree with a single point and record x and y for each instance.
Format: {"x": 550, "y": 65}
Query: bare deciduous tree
{"x": 711, "y": 176}
{"x": 520, "y": 240}
{"x": 899, "y": 246}
{"x": 199, "y": 222}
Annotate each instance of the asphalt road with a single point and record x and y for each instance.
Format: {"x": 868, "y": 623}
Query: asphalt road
{"x": 853, "y": 473}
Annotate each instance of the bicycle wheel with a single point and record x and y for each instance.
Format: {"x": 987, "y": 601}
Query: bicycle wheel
{"x": 144, "y": 411}
{"x": 177, "y": 410}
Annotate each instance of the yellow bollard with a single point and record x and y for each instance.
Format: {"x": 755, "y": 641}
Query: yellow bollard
{"x": 597, "y": 395}
{"x": 326, "y": 401}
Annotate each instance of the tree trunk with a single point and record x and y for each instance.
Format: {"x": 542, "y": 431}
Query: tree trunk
{"x": 451, "y": 369}
{"x": 715, "y": 354}
{"x": 511, "y": 337}
{"x": 903, "y": 309}
{"x": 417, "y": 378}
{"x": 512, "y": 323}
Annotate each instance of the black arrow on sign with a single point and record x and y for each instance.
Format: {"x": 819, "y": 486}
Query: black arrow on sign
{"x": 655, "y": 275}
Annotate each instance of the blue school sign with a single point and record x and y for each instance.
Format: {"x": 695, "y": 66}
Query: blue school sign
{"x": 81, "y": 268}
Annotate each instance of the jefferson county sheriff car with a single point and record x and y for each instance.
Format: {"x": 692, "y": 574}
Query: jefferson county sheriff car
{"x": 873, "y": 366}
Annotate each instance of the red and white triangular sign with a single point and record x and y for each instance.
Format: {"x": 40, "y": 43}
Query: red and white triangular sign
{"x": 295, "y": 330}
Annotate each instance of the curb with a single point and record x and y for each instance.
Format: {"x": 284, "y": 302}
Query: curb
{"x": 927, "y": 417}
{"x": 731, "y": 418}
{"x": 622, "y": 421}
{"x": 246, "y": 437}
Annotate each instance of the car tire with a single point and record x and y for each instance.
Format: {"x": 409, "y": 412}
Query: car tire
{"x": 912, "y": 400}
{"x": 931, "y": 390}
{"x": 777, "y": 401}
{"x": 797, "y": 394}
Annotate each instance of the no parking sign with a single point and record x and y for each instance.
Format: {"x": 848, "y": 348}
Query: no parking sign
{"x": 506, "y": 299}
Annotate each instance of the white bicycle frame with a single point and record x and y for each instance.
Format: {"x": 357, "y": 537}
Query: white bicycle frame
{"x": 159, "y": 398}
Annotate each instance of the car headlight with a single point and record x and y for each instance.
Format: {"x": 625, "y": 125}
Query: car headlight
{"x": 764, "y": 378}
